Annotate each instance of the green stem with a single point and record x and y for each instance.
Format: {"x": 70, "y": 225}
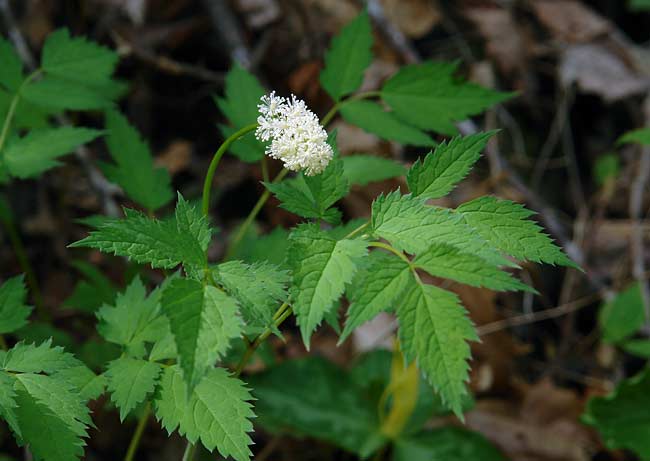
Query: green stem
{"x": 7, "y": 220}
{"x": 333, "y": 111}
{"x": 137, "y": 435}
{"x": 13, "y": 106}
{"x": 357, "y": 230}
{"x": 241, "y": 232}
{"x": 207, "y": 184}
{"x": 283, "y": 313}
{"x": 190, "y": 449}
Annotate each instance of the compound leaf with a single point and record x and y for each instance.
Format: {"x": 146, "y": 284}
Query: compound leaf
{"x": 362, "y": 169}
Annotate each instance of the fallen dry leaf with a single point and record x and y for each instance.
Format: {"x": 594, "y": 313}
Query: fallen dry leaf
{"x": 570, "y": 21}
{"x": 413, "y": 17}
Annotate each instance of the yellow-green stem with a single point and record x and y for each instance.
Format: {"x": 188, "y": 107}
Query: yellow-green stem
{"x": 283, "y": 313}
{"x": 190, "y": 449}
{"x": 207, "y": 184}
{"x": 13, "y": 106}
{"x": 137, "y": 435}
{"x": 241, "y": 232}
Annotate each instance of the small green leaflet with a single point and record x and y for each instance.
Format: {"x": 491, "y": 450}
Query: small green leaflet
{"x": 11, "y": 73}
{"x": 13, "y": 310}
{"x": 362, "y": 169}
{"x": 639, "y": 5}
{"x": 259, "y": 287}
{"x": 375, "y": 289}
{"x": 448, "y": 444}
{"x": 203, "y": 320}
{"x": 506, "y": 226}
{"x": 348, "y": 57}
{"x": 622, "y": 316}
{"x": 430, "y": 97}
{"x": 239, "y": 104}
{"x": 312, "y": 196}
{"x": 133, "y": 320}
{"x": 321, "y": 267}
{"x": 77, "y": 59}
{"x": 46, "y": 411}
{"x": 57, "y": 94}
{"x": 150, "y": 187}
{"x": 37, "y": 151}
{"x": 409, "y": 224}
{"x": 441, "y": 170}
{"x": 91, "y": 293}
{"x": 374, "y": 119}
{"x": 638, "y": 347}
{"x": 639, "y": 136}
{"x": 445, "y": 261}
{"x": 606, "y": 168}
{"x": 183, "y": 239}
{"x": 314, "y": 397}
{"x": 622, "y": 418}
{"x": 434, "y": 330}
{"x": 217, "y": 412}
{"x": 130, "y": 381}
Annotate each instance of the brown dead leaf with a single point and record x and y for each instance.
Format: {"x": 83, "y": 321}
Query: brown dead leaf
{"x": 504, "y": 42}
{"x": 570, "y": 21}
{"x": 176, "y": 156}
{"x": 413, "y": 17}
{"x": 596, "y": 69}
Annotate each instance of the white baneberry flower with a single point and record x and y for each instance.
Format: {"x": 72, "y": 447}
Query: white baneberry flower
{"x": 296, "y": 135}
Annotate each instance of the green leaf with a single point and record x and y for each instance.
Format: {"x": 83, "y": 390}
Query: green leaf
{"x": 242, "y": 95}
{"x": 56, "y": 94}
{"x": 441, "y": 170}
{"x": 505, "y": 225}
{"x": 130, "y": 381}
{"x": 446, "y": 444}
{"x": 622, "y": 316}
{"x": 11, "y": 73}
{"x": 430, "y": 97}
{"x": 133, "y": 320}
{"x": 90, "y": 294}
{"x": 134, "y": 170}
{"x": 639, "y": 136}
{"x": 639, "y": 5}
{"x": 362, "y": 169}
{"x": 445, "y": 261}
{"x": 374, "y": 119}
{"x": 37, "y": 151}
{"x": 61, "y": 398}
{"x": 77, "y": 59}
{"x": 217, "y": 412}
{"x": 312, "y": 397}
{"x": 163, "y": 244}
{"x": 13, "y": 310}
{"x": 26, "y": 115}
{"x": 270, "y": 248}
{"x": 622, "y": 418}
{"x": 89, "y": 385}
{"x": 638, "y": 347}
{"x": 434, "y": 330}
{"x": 606, "y": 168}
{"x": 8, "y": 403}
{"x": 410, "y": 225}
{"x": 38, "y": 332}
{"x": 203, "y": 320}
{"x": 49, "y": 438}
{"x": 376, "y": 288}
{"x": 312, "y": 196}
{"x": 321, "y": 267}
{"x": 347, "y": 58}
{"x": 29, "y": 358}
{"x": 259, "y": 287}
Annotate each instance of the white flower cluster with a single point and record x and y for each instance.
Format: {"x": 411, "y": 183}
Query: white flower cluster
{"x": 296, "y": 135}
